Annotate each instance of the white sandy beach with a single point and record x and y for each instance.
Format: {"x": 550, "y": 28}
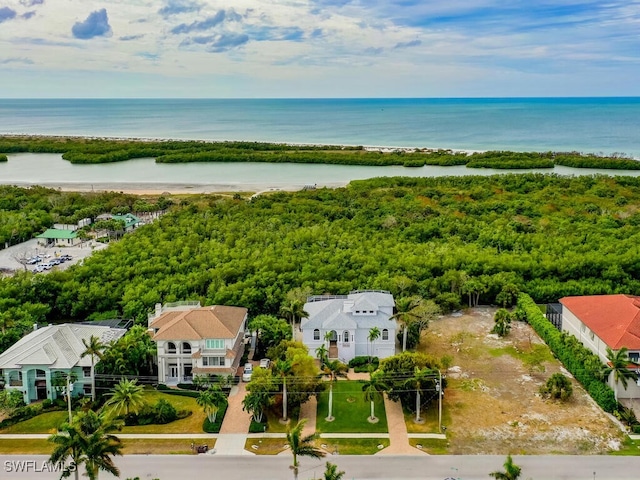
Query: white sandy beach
{"x": 148, "y": 188}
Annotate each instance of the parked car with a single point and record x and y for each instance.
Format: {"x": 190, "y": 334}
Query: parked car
{"x": 265, "y": 363}
{"x": 247, "y": 372}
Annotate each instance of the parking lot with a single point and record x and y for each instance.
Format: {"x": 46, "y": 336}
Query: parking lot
{"x": 9, "y": 263}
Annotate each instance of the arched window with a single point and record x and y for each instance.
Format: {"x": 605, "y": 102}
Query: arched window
{"x": 333, "y": 336}
{"x": 171, "y": 347}
{"x": 316, "y": 334}
{"x": 186, "y": 347}
{"x": 345, "y": 337}
{"x": 385, "y": 334}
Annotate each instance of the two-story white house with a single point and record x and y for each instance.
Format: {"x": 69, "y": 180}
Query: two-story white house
{"x": 601, "y": 321}
{"x": 34, "y": 362}
{"x": 343, "y": 322}
{"x": 194, "y": 340}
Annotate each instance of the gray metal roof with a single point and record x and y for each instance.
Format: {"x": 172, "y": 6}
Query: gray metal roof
{"x": 330, "y": 314}
{"x": 56, "y": 346}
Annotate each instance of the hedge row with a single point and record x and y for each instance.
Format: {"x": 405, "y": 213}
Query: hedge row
{"x": 583, "y": 364}
{"x": 182, "y": 393}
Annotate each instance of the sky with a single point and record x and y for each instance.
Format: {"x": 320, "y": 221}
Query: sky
{"x": 318, "y": 48}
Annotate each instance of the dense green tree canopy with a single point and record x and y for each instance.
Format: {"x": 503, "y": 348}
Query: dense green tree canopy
{"x": 546, "y": 235}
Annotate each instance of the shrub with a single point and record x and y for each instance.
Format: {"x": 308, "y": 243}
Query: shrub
{"x": 558, "y": 387}
{"x": 448, "y": 302}
{"x": 159, "y": 414}
{"x": 47, "y": 403}
{"x": 164, "y": 412}
{"x": 362, "y": 361}
{"x": 183, "y": 393}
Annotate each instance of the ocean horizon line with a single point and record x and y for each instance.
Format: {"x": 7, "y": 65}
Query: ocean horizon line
{"x": 482, "y": 98}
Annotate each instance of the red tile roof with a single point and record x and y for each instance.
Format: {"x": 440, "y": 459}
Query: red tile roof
{"x": 615, "y": 319}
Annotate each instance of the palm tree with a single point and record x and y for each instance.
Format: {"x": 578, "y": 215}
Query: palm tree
{"x": 333, "y": 369}
{"x": 332, "y": 473}
{"x": 211, "y": 400}
{"x": 619, "y": 365}
{"x": 407, "y": 311}
{"x": 283, "y": 368}
{"x": 417, "y": 382}
{"x": 511, "y": 471}
{"x": 323, "y": 354}
{"x": 372, "y": 389}
{"x": 374, "y": 334}
{"x": 301, "y": 446}
{"x": 94, "y": 347}
{"x": 127, "y": 396}
{"x": 292, "y": 310}
{"x": 256, "y": 403}
{"x": 87, "y": 439}
{"x": 502, "y": 320}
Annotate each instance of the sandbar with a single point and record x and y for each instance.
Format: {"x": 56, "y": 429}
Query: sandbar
{"x": 150, "y": 188}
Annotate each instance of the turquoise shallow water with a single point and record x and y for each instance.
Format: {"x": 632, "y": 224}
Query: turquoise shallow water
{"x": 595, "y": 125}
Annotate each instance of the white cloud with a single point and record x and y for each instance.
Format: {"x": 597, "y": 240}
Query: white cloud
{"x": 336, "y": 47}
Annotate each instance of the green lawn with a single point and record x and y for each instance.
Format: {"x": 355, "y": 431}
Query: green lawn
{"x": 44, "y": 423}
{"x": 432, "y": 446}
{"x": 628, "y": 448}
{"x": 352, "y": 446}
{"x": 192, "y": 424}
{"x": 160, "y": 446}
{"x": 50, "y": 421}
{"x": 30, "y": 446}
{"x": 350, "y": 410}
{"x": 430, "y": 417}
{"x": 265, "y": 446}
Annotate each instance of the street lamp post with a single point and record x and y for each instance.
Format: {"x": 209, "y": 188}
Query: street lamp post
{"x": 69, "y": 387}
{"x": 439, "y": 389}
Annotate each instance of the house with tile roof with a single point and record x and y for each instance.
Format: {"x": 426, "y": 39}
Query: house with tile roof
{"x": 601, "y": 321}
{"x": 343, "y": 322}
{"x": 194, "y": 340}
{"x": 32, "y": 364}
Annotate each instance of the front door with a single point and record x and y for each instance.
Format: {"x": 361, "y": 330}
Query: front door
{"x": 41, "y": 389}
{"x": 173, "y": 371}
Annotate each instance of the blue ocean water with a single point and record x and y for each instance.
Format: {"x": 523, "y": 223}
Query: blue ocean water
{"x": 589, "y": 125}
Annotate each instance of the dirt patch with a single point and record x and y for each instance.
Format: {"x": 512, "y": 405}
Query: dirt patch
{"x": 492, "y": 395}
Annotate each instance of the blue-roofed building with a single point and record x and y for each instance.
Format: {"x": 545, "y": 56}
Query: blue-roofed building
{"x": 343, "y": 323}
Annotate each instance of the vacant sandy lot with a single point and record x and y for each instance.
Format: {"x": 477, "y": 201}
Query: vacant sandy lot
{"x": 492, "y": 405}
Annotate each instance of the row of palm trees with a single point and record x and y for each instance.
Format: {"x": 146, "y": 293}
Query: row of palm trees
{"x": 88, "y": 439}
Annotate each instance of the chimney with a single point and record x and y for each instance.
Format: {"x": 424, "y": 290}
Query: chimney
{"x": 348, "y": 306}
{"x": 158, "y": 309}
{"x": 35, "y": 327}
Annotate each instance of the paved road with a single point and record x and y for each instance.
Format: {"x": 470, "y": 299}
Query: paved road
{"x": 464, "y": 467}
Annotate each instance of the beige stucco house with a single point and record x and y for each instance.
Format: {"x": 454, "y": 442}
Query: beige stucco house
{"x": 194, "y": 340}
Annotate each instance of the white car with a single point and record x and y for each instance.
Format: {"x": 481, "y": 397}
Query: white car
{"x": 247, "y": 372}
{"x": 265, "y": 363}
